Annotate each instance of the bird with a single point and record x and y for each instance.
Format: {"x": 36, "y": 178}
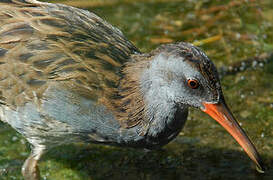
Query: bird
{"x": 68, "y": 76}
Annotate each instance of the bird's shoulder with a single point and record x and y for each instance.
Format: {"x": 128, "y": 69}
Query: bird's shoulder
{"x": 43, "y": 44}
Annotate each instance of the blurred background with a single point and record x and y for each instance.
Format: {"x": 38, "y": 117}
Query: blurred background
{"x": 238, "y": 36}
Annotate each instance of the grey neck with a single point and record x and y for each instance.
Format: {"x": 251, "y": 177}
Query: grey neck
{"x": 164, "y": 118}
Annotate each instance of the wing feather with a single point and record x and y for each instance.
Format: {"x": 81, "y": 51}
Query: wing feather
{"x": 41, "y": 43}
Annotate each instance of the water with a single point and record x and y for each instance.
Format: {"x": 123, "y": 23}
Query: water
{"x": 229, "y": 32}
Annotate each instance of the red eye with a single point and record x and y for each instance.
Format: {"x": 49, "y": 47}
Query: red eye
{"x": 192, "y": 83}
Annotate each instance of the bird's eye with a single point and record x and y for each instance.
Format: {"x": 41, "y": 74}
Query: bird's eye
{"x": 192, "y": 83}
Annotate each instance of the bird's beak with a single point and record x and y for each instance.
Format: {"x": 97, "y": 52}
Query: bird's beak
{"x": 221, "y": 113}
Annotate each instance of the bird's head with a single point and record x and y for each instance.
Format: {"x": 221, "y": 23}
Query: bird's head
{"x": 182, "y": 74}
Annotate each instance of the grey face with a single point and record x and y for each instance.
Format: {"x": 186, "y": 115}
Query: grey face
{"x": 183, "y": 75}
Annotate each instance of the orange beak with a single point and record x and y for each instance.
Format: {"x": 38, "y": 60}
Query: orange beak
{"x": 221, "y": 113}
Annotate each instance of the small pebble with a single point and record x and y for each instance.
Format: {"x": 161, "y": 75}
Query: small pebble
{"x": 230, "y": 68}
{"x": 14, "y": 138}
{"x": 238, "y": 35}
{"x": 254, "y": 64}
{"x": 190, "y": 16}
{"x": 22, "y": 141}
{"x": 245, "y": 114}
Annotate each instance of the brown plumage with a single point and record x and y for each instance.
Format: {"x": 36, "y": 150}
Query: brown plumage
{"x": 66, "y": 76}
{"x": 41, "y": 44}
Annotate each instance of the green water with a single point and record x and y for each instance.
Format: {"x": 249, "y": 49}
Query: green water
{"x": 203, "y": 150}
